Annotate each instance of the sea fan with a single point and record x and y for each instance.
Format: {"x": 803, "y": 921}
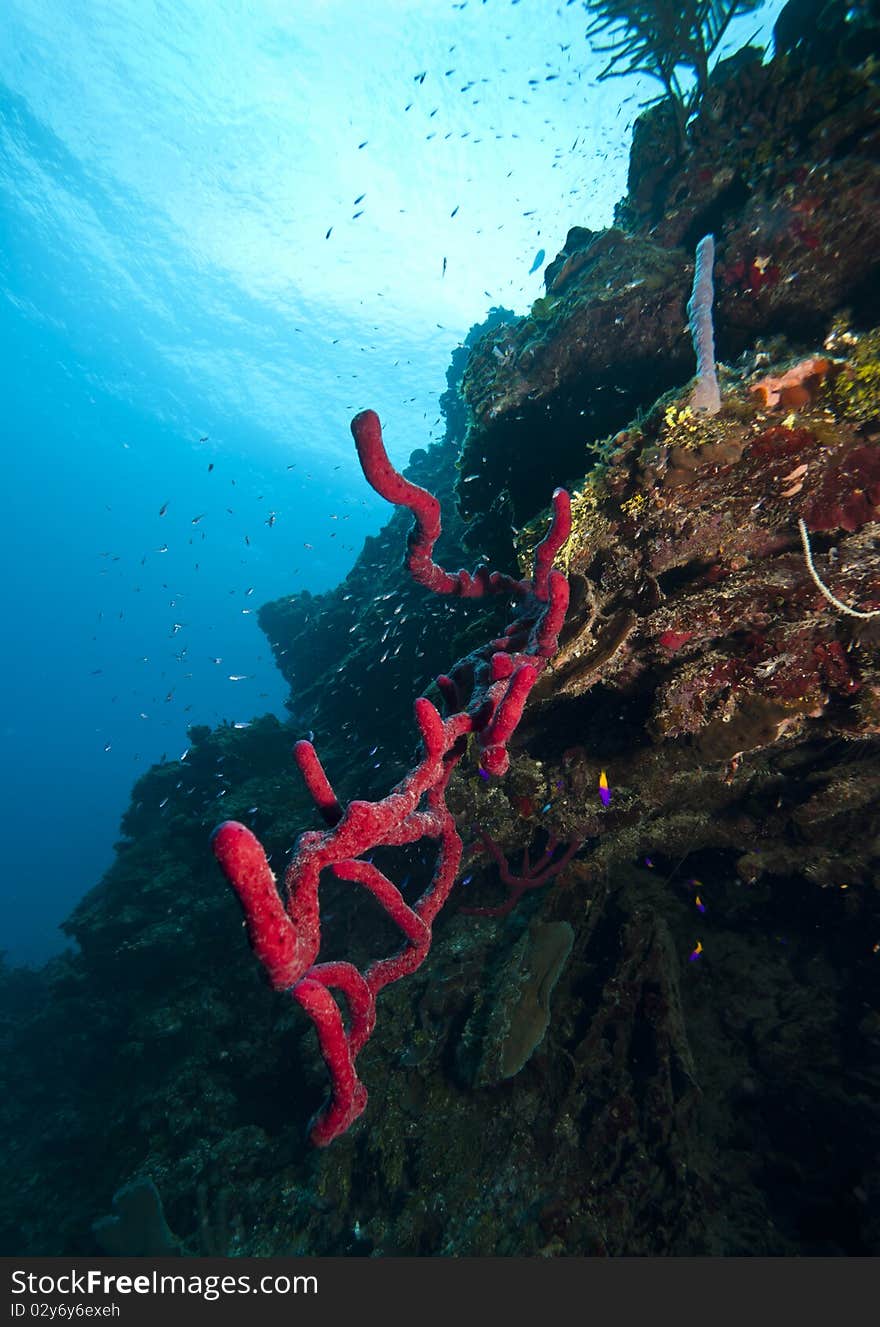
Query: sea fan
{"x": 659, "y": 37}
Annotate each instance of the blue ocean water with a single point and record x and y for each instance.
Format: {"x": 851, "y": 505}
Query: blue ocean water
{"x": 225, "y": 229}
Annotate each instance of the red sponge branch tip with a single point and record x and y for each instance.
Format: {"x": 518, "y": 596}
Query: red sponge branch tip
{"x": 555, "y": 539}
{"x": 317, "y": 782}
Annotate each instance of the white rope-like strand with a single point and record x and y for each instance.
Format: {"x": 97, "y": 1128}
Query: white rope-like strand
{"x": 820, "y": 584}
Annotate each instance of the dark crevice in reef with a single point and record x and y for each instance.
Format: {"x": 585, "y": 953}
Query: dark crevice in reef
{"x": 729, "y": 202}
{"x": 544, "y": 445}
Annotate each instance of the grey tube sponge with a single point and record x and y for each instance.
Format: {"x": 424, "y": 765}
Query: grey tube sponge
{"x": 706, "y": 396}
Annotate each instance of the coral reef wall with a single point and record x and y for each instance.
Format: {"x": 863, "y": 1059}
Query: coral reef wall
{"x": 790, "y": 193}
{"x": 671, "y": 1045}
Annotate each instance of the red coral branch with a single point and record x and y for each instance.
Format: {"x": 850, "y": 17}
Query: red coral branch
{"x": 484, "y": 695}
{"x": 530, "y": 877}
